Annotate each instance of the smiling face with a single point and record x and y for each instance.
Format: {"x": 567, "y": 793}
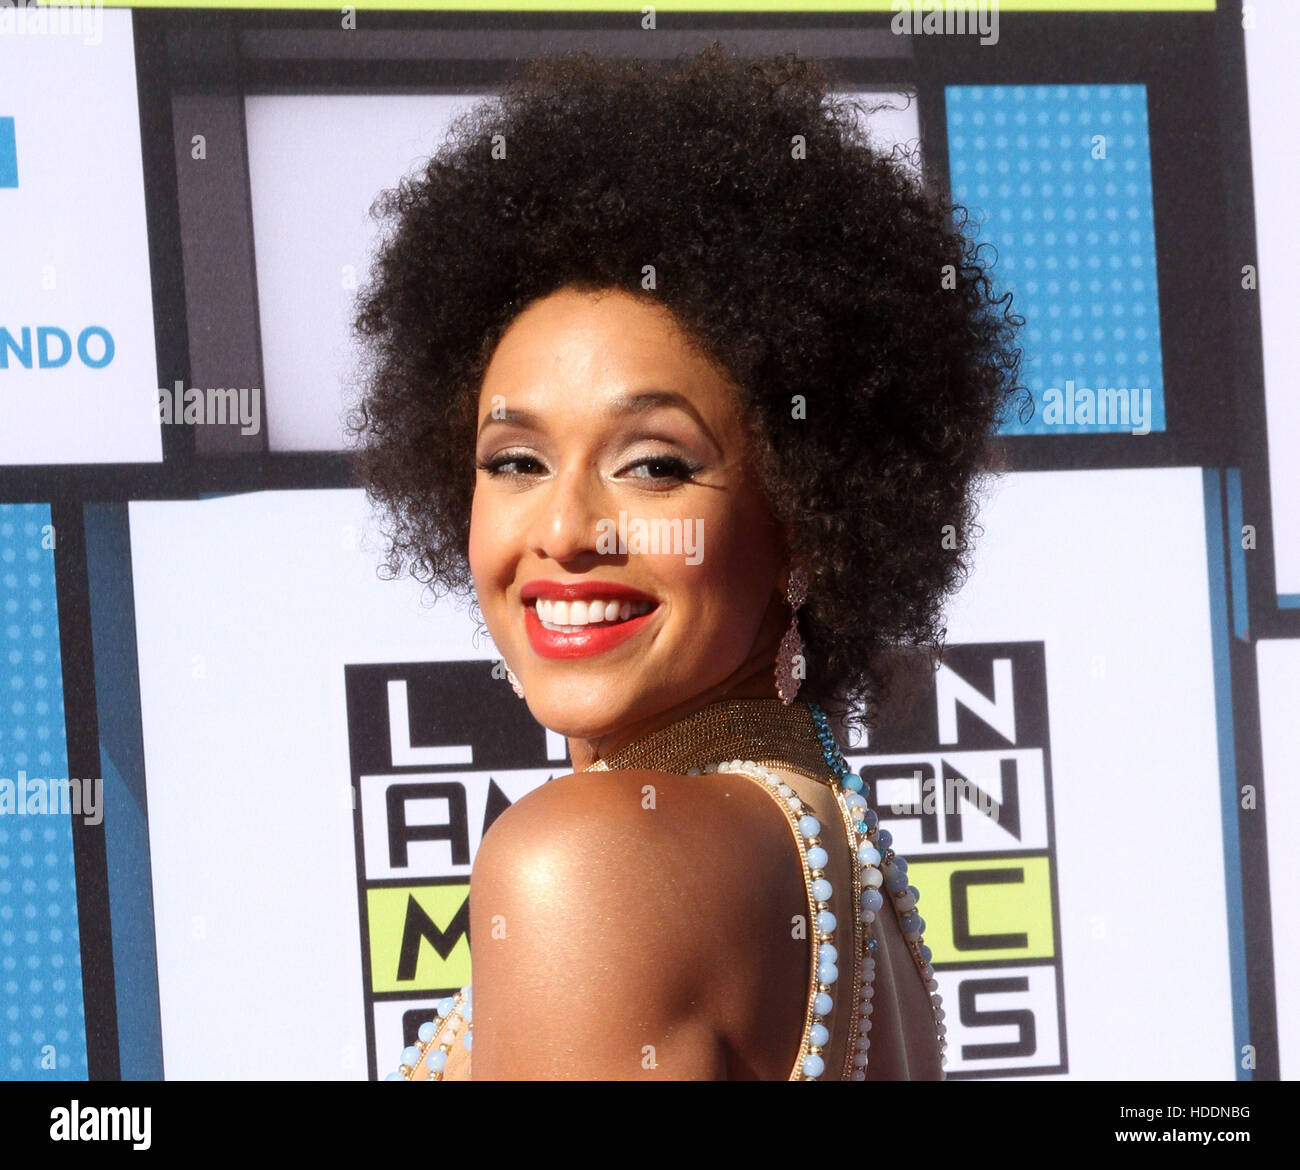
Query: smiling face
{"x": 623, "y": 555}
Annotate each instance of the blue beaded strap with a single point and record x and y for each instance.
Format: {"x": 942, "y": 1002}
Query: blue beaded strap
{"x": 437, "y": 1036}
{"x": 880, "y": 865}
{"x": 824, "y": 973}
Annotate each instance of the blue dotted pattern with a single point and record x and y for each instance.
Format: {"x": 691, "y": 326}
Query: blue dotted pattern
{"x": 44, "y": 1020}
{"x": 1074, "y": 237}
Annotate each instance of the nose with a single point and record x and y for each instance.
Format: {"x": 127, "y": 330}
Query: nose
{"x": 564, "y": 526}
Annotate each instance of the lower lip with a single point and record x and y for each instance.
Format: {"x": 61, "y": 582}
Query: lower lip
{"x": 585, "y": 643}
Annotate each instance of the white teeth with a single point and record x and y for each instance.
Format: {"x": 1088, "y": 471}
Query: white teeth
{"x": 569, "y": 616}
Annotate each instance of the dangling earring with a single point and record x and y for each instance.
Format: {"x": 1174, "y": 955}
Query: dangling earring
{"x": 514, "y": 682}
{"x": 790, "y": 655}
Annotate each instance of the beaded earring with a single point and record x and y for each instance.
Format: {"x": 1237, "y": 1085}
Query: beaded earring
{"x": 790, "y": 653}
{"x": 515, "y": 684}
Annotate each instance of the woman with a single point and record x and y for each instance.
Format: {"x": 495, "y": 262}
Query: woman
{"x": 727, "y": 379}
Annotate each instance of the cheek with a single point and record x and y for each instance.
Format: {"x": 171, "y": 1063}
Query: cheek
{"x": 487, "y": 552}
{"x": 729, "y": 591}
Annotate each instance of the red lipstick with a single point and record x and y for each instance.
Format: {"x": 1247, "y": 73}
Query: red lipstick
{"x": 582, "y": 642}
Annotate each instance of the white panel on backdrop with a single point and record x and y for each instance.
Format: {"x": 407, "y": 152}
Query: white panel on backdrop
{"x": 316, "y": 162}
{"x": 257, "y": 616}
{"x": 78, "y": 371}
{"x": 247, "y": 609}
{"x": 1108, "y": 571}
{"x": 1272, "y": 34}
{"x": 1279, "y": 701}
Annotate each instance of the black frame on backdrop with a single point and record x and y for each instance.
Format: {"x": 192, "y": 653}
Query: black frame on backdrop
{"x": 209, "y": 61}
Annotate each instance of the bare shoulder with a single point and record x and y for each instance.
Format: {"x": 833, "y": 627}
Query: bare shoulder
{"x": 650, "y": 791}
{"x": 637, "y": 893}
{"x": 645, "y": 836}
{"x": 647, "y": 833}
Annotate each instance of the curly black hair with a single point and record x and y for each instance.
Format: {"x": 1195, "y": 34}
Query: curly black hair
{"x": 815, "y": 268}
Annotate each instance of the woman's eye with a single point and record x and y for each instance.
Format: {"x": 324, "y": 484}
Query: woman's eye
{"x": 662, "y": 467}
{"x": 509, "y": 463}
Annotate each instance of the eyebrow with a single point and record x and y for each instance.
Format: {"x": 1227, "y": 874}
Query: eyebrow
{"x": 641, "y": 402}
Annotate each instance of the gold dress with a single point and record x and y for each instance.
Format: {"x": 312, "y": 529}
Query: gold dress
{"x": 862, "y": 965}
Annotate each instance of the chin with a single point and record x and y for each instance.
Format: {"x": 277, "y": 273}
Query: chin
{"x": 583, "y": 711}
{"x": 575, "y": 720}
{"x": 573, "y": 724}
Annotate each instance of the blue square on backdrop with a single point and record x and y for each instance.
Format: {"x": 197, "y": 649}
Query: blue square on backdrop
{"x": 42, "y": 1014}
{"x": 1058, "y": 179}
{"x": 8, "y": 154}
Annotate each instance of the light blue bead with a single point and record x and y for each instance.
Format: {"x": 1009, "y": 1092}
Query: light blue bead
{"x": 868, "y": 855}
{"x": 394, "y": 1076}
{"x": 427, "y": 1031}
{"x": 821, "y": 889}
{"x": 817, "y": 857}
{"x": 855, "y": 800}
{"x": 822, "y": 1004}
{"x": 826, "y": 921}
{"x": 410, "y": 1056}
{"x": 436, "y": 1060}
{"x": 819, "y": 1036}
{"x": 468, "y": 1012}
{"x": 872, "y": 900}
{"x": 444, "y": 1005}
{"x": 895, "y": 882}
{"x": 827, "y": 973}
{"x": 809, "y": 826}
{"x": 853, "y": 782}
{"x": 826, "y": 953}
{"x": 813, "y": 1065}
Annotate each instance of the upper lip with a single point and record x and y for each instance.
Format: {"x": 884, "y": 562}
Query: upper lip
{"x": 580, "y": 591}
